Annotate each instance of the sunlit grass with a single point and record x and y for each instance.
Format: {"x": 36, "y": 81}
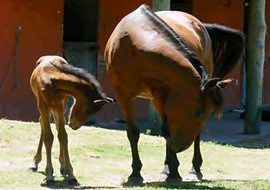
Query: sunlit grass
{"x": 101, "y": 159}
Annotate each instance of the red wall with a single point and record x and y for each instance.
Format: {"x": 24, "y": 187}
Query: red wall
{"x": 41, "y": 23}
{"x": 41, "y": 34}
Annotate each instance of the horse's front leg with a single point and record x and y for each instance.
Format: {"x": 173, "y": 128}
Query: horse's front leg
{"x": 197, "y": 160}
{"x": 171, "y": 162}
{"x": 171, "y": 166}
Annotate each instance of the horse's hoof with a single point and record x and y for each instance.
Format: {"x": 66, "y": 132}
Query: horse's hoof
{"x": 134, "y": 181}
{"x": 174, "y": 181}
{"x": 73, "y": 182}
{"x": 195, "y": 176}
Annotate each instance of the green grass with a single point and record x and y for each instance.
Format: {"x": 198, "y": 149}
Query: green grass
{"x": 101, "y": 159}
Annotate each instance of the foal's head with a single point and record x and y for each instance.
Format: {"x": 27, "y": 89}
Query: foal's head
{"x": 83, "y": 109}
{"x": 87, "y": 93}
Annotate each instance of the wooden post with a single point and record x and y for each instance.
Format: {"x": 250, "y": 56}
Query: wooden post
{"x": 159, "y": 5}
{"x": 255, "y": 64}
{"x": 154, "y": 121}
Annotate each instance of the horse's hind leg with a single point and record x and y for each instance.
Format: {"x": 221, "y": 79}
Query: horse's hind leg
{"x": 66, "y": 167}
{"x": 126, "y": 103}
{"x": 38, "y": 156}
{"x": 197, "y": 160}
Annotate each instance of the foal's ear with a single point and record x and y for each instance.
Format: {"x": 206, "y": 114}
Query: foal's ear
{"x": 224, "y": 83}
{"x": 102, "y": 102}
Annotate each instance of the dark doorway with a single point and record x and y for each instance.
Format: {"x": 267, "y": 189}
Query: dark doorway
{"x": 81, "y": 20}
{"x": 81, "y": 37}
{"x": 182, "y": 5}
{"x": 81, "y": 33}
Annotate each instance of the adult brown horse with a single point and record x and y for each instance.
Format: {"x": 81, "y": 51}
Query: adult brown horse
{"x": 168, "y": 57}
{"x": 52, "y": 81}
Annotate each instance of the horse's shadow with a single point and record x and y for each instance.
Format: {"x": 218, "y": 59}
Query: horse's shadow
{"x": 181, "y": 185}
{"x": 62, "y": 184}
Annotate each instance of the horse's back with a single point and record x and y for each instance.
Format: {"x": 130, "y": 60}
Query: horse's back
{"x": 193, "y": 33}
{"x": 139, "y": 54}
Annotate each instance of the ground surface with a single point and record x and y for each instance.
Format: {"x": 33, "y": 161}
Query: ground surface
{"x": 101, "y": 157}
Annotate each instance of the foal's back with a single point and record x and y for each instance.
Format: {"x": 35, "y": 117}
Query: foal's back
{"x": 42, "y": 77}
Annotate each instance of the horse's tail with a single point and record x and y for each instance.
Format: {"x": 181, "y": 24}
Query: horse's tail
{"x": 228, "y": 46}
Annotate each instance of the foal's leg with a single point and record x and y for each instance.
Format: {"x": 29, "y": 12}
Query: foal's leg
{"x": 63, "y": 140}
{"x": 48, "y": 140}
{"x": 133, "y": 134}
{"x": 197, "y": 160}
{"x": 38, "y": 156}
{"x": 171, "y": 163}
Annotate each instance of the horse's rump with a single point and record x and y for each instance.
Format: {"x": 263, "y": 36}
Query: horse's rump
{"x": 228, "y": 45}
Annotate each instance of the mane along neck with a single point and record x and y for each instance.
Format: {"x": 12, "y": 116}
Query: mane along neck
{"x": 75, "y": 87}
{"x": 176, "y": 40}
{"x": 84, "y": 79}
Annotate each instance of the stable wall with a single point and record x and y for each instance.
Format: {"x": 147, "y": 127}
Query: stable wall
{"x": 41, "y": 34}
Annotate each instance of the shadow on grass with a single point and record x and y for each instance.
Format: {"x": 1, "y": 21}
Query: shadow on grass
{"x": 62, "y": 184}
{"x": 258, "y": 143}
{"x": 184, "y": 185}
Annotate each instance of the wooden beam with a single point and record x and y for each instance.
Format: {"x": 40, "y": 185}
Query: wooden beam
{"x": 255, "y": 65}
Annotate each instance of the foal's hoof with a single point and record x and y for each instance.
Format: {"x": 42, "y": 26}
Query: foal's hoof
{"x": 33, "y": 169}
{"x": 134, "y": 181}
{"x": 73, "y": 182}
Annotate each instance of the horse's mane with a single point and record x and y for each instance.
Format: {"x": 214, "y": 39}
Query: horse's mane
{"x": 179, "y": 43}
{"x": 82, "y": 74}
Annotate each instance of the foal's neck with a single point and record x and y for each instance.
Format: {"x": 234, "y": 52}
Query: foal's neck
{"x": 75, "y": 87}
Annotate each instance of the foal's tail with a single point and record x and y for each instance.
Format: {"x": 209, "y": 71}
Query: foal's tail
{"x": 228, "y": 46}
